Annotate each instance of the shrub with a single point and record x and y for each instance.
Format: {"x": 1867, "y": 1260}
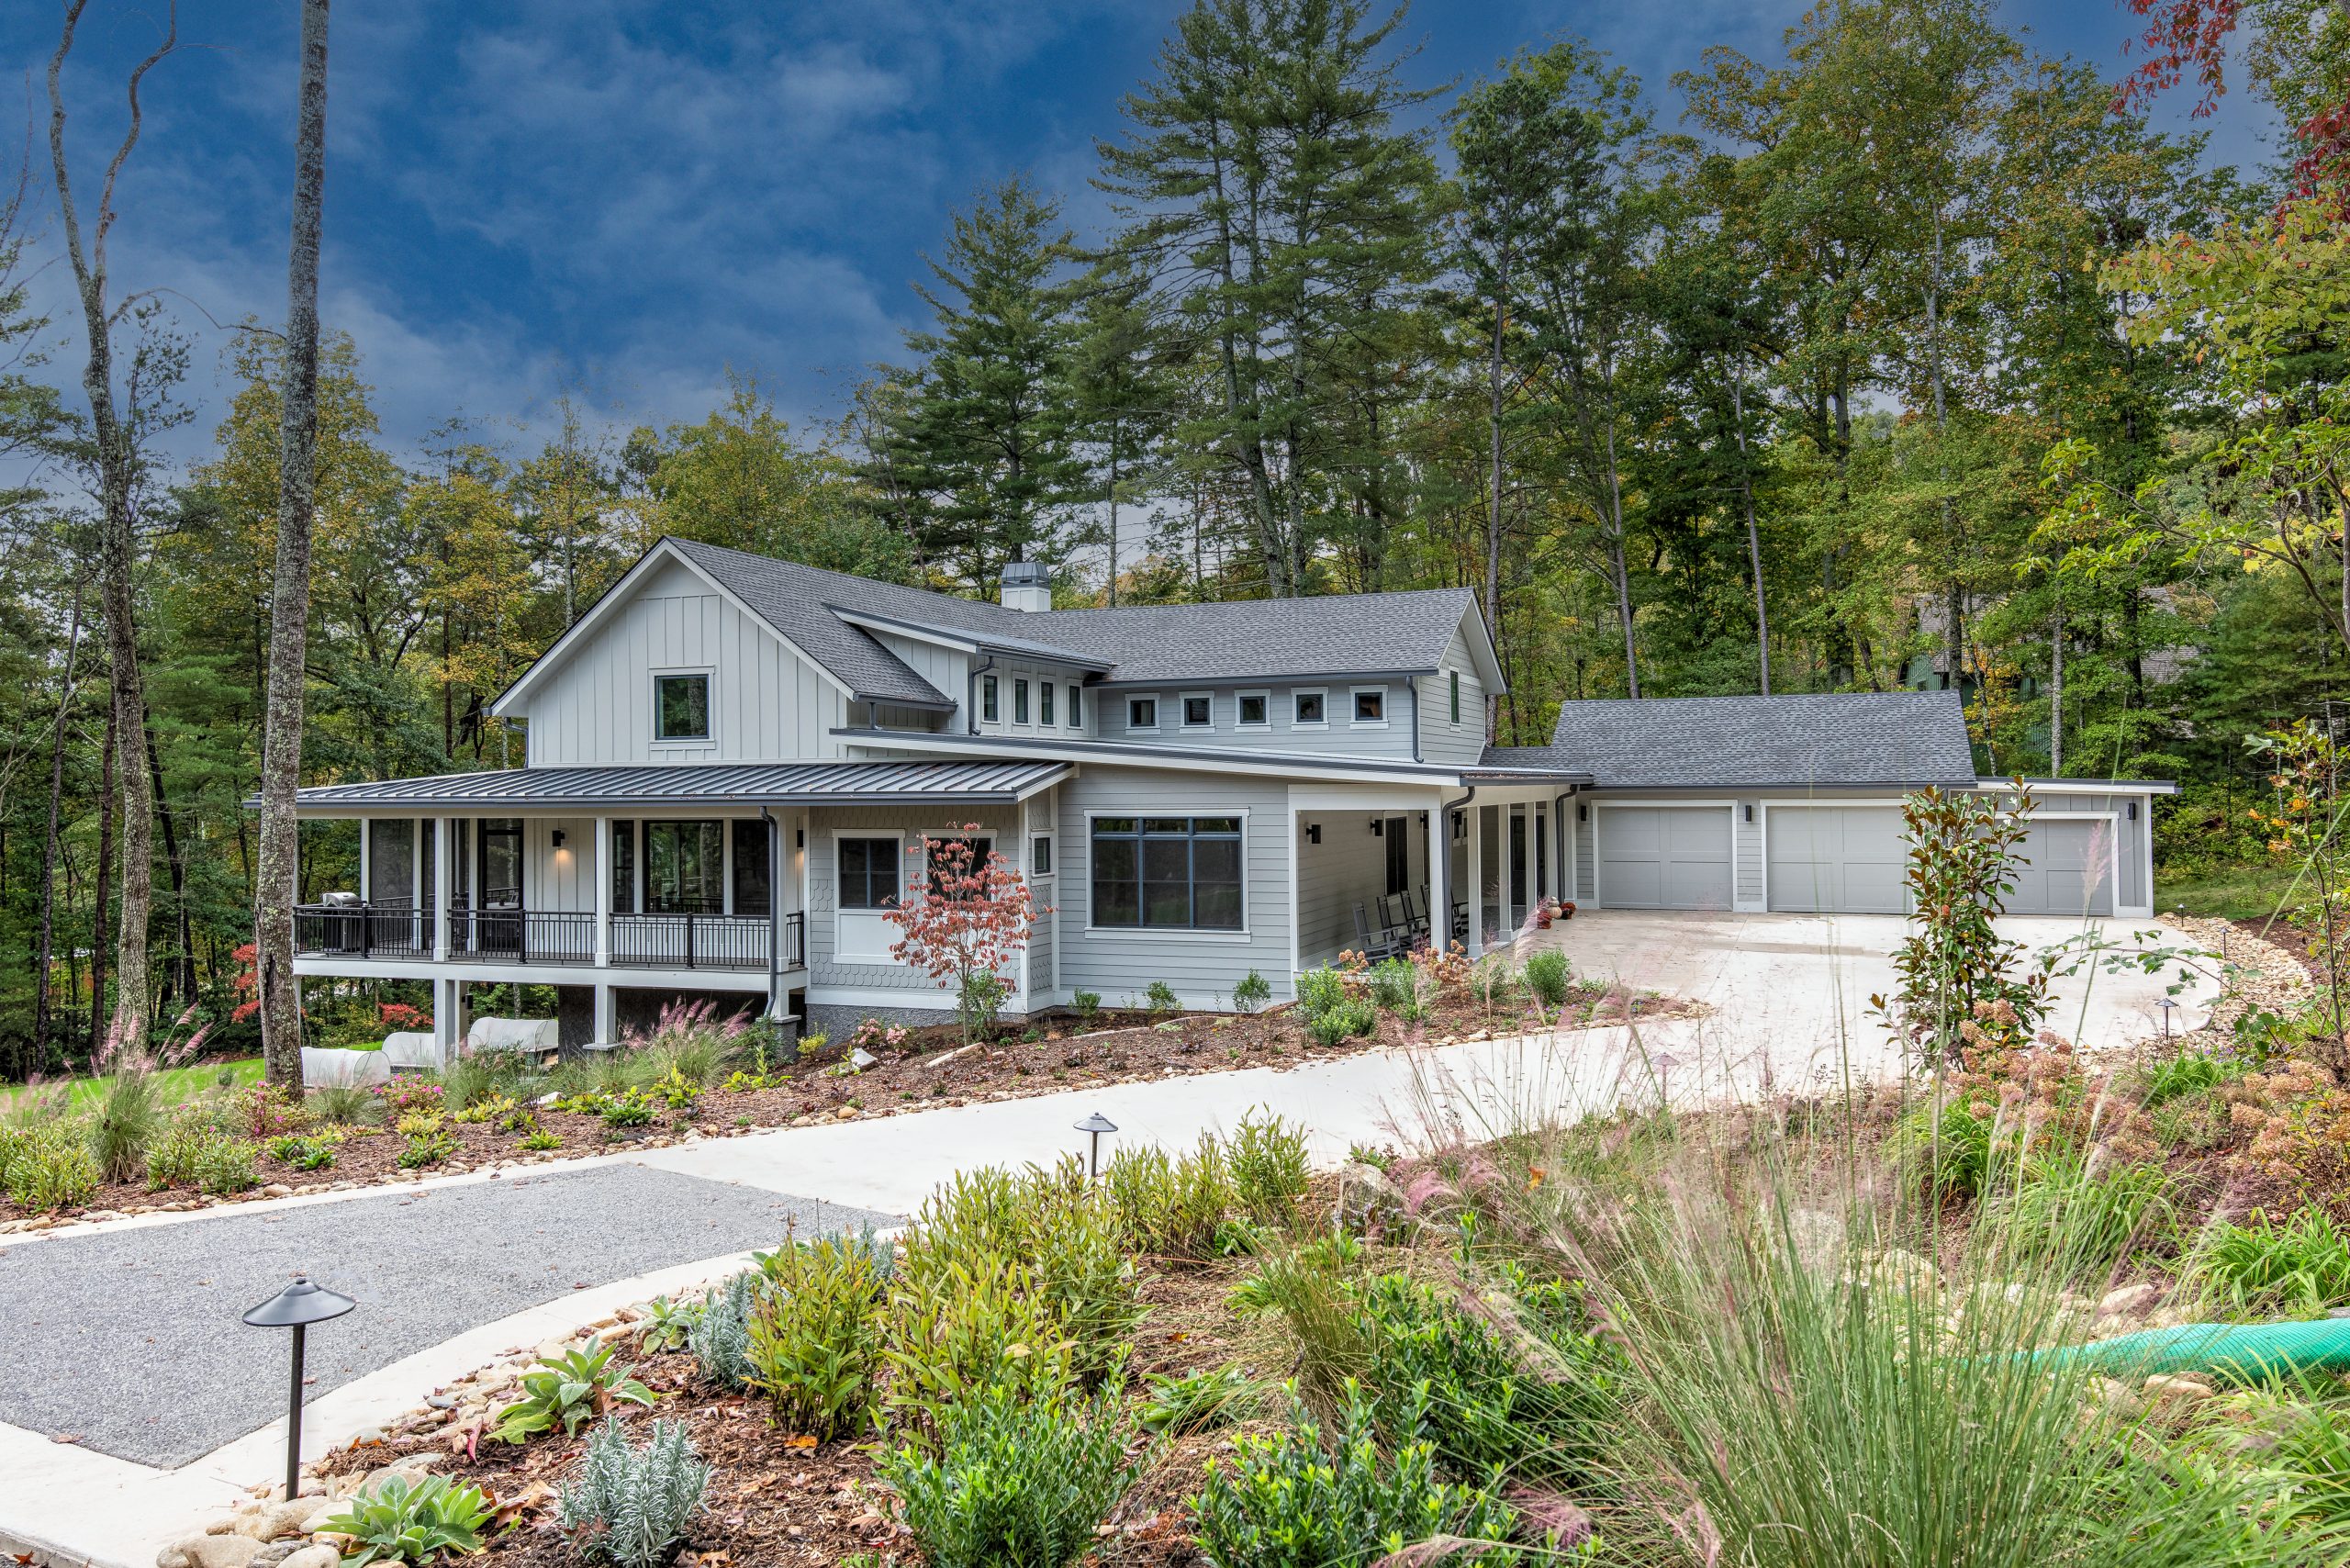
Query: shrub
{"x": 2082, "y": 1216}
{"x": 412, "y": 1521}
{"x": 676, "y": 1090}
{"x": 568, "y": 1390}
{"x": 630, "y": 1107}
{"x": 1511, "y": 1382}
{"x": 1200, "y": 1401}
{"x": 1949, "y": 1148}
{"x": 269, "y": 1110}
{"x": 1012, "y": 1485}
{"x": 538, "y": 1140}
{"x": 1320, "y": 990}
{"x": 127, "y": 1119}
{"x": 346, "y": 1105}
{"x": 470, "y": 1083}
{"x": 1170, "y": 1207}
{"x": 411, "y": 1093}
{"x": 483, "y": 1108}
{"x": 630, "y": 1506}
{"x": 1313, "y": 1289}
{"x": 968, "y": 1326}
{"x": 429, "y": 1144}
{"x": 1253, "y": 992}
{"x": 1087, "y": 1004}
{"x": 667, "y": 1324}
{"x": 1161, "y": 997}
{"x": 815, "y": 1337}
{"x": 2302, "y": 1265}
{"x": 1495, "y": 979}
{"x": 1282, "y": 1502}
{"x": 1547, "y": 976}
{"x": 304, "y": 1152}
{"x": 49, "y": 1167}
{"x": 1350, "y": 1019}
{"x": 1269, "y": 1168}
{"x": 688, "y": 1041}
{"x": 2187, "y": 1074}
{"x": 720, "y": 1337}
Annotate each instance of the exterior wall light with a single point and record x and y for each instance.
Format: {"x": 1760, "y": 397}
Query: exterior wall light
{"x": 1313, "y": 833}
{"x": 556, "y": 837}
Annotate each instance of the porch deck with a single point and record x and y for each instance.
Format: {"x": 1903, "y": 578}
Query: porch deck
{"x": 562, "y": 938}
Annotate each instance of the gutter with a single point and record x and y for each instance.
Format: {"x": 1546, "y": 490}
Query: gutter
{"x": 1413, "y": 688}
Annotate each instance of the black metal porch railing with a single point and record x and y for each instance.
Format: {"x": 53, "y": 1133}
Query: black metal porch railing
{"x": 699, "y": 941}
{"x": 522, "y": 935}
{"x": 363, "y": 930}
{"x": 684, "y": 941}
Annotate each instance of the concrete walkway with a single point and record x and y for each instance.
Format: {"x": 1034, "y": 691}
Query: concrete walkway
{"x": 1787, "y": 998}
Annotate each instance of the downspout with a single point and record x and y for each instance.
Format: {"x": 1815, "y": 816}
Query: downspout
{"x": 971, "y": 695}
{"x": 775, "y": 909}
{"x": 1413, "y": 685}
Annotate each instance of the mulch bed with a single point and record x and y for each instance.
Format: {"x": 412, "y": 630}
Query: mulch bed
{"x": 1116, "y": 1048}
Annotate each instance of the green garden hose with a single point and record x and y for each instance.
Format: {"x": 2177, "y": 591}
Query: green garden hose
{"x": 2236, "y": 1352}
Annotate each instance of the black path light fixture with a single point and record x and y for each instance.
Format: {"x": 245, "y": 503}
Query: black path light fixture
{"x": 1096, "y": 1124}
{"x": 297, "y": 1306}
{"x": 2168, "y": 1007}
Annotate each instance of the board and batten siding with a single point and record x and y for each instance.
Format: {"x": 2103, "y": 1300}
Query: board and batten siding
{"x": 1441, "y": 740}
{"x": 1202, "y": 967}
{"x": 767, "y": 703}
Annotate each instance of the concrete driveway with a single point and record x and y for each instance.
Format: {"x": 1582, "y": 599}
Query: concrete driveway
{"x": 1804, "y": 981}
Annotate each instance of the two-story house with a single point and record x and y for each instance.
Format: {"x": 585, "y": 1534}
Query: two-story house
{"x": 728, "y": 757}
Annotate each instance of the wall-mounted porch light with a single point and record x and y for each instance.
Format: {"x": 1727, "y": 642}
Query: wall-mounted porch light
{"x": 556, "y": 838}
{"x": 1749, "y": 810}
{"x": 2134, "y": 810}
{"x": 1378, "y": 827}
{"x": 1313, "y": 833}
{"x": 1582, "y": 811}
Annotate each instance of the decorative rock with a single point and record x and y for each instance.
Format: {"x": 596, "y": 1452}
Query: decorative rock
{"x": 2128, "y": 1301}
{"x": 312, "y": 1556}
{"x": 277, "y": 1190}
{"x": 1368, "y": 1203}
{"x": 845, "y": 1114}
{"x": 2169, "y": 1392}
{"x": 210, "y": 1551}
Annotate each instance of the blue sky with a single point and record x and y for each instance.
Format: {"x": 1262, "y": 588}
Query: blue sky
{"x": 625, "y": 197}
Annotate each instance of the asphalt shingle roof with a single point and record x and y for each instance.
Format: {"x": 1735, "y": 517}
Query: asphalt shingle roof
{"x": 1169, "y": 643}
{"x": 1826, "y": 739}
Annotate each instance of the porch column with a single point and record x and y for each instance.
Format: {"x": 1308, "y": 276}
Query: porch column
{"x": 444, "y": 860}
{"x": 1472, "y": 879}
{"x": 605, "y": 1031}
{"x": 366, "y": 892}
{"x": 1439, "y": 871}
{"x": 601, "y": 873}
{"x": 448, "y": 1030}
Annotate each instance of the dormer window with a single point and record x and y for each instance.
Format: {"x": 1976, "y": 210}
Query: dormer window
{"x": 1076, "y": 711}
{"x": 1370, "y": 705}
{"x": 681, "y": 707}
{"x": 1199, "y": 711}
{"x": 1310, "y": 708}
{"x": 1142, "y": 712}
{"x": 1019, "y": 702}
{"x": 989, "y": 708}
{"x": 1044, "y": 703}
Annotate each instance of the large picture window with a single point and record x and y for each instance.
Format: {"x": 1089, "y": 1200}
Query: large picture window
{"x": 624, "y": 867}
{"x": 685, "y": 868}
{"x": 681, "y": 707}
{"x": 1167, "y": 873}
{"x": 750, "y": 888}
{"x": 869, "y": 873}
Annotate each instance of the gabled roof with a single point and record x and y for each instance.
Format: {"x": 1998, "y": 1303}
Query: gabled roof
{"x": 1821, "y": 740}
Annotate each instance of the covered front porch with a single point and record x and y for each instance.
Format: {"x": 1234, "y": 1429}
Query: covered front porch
{"x": 1382, "y": 870}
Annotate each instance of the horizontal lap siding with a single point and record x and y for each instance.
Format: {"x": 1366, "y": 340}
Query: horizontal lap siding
{"x": 1440, "y": 739}
{"x": 1746, "y": 823}
{"x": 1337, "y": 738}
{"x": 1587, "y": 854}
{"x": 1121, "y": 964}
{"x": 824, "y": 894}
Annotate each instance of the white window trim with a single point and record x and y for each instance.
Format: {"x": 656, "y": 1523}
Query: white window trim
{"x": 841, "y": 955}
{"x": 1048, "y": 705}
{"x": 1157, "y": 713}
{"x": 1454, "y": 706}
{"x": 1183, "y": 714}
{"x": 1074, "y": 717}
{"x": 991, "y": 700}
{"x": 1240, "y": 723}
{"x": 1353, "y": 696}
{"x": 1297, "y": 695}
{"x": 682, "y": 742}
{"x": 1240, "y": 932}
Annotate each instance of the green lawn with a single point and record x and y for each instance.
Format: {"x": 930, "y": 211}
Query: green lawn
{"x": 2233, "y": 892}
{"x": 177, "y": 1083}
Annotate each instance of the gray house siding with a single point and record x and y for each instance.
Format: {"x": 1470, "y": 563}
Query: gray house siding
{"x": 1202, "y": 968}
{"x": 825, "y": 970}
{"x": 1440, "y": 739}
{"x": 1338, "y": 736}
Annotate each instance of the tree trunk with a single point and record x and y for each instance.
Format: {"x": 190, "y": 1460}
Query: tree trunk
{"x": 280, "y": 772}
{"x": 42, "y": 953}
{"x": 97, "y": 1037}
{"x": 2056, "y": 696}
{"x": 1754, "y": 534}
{"x": 180, "y": 981}
{"x": 114, "y": 448}
{"x": 1615, "y": 561}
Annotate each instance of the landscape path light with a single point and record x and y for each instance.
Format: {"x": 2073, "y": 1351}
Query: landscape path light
{"x": 1096, "y": 1125}
{"x": 297, "y": 1306}
{"x": 2168, "y": 1007}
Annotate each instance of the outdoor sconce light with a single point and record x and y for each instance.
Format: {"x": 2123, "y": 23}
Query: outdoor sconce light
{"x": 799, "y": 838}
{"x": 557, "y": 838}
{"x": 1313, "y": 833}
{"x": 297, "y": 1306}
{"x": 2134, "y": 810}
{"x": 1749, "y": 810}
{"x": 1378, "y": 827}
{"x": 1095, "y": 1125}
{"x": 1424, "y": 819}
{"x": 1582, "y": 811}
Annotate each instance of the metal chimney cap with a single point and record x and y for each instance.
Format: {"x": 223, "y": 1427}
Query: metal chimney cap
{"x": 298, "y": 1305}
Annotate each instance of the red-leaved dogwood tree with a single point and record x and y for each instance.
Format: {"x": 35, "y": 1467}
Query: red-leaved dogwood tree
{"x": 965, "y": 920}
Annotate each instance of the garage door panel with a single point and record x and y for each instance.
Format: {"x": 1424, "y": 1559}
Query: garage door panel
{"x": 2064, "y": 869}
{"x": 1664, "y": 858}
{"x": 1837, "y": 860}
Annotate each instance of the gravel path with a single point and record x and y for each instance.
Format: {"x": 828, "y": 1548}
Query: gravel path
{"x": 131, "y": 1339}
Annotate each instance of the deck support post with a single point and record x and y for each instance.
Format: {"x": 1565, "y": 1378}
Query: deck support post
{"x": 1439, "y": 878}
{"x": 601, "y": 874}
{"x": 606, "y": 1032}
{"x": 1472, "y": 878}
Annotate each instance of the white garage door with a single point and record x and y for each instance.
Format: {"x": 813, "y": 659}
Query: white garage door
{"x": 2066, "y": 869}
{"x": 1837, "y": 859}
{"x": 1664, "y": 856}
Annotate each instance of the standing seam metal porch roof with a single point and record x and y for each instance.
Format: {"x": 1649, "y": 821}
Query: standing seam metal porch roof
{"x": 803, "y": 783}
